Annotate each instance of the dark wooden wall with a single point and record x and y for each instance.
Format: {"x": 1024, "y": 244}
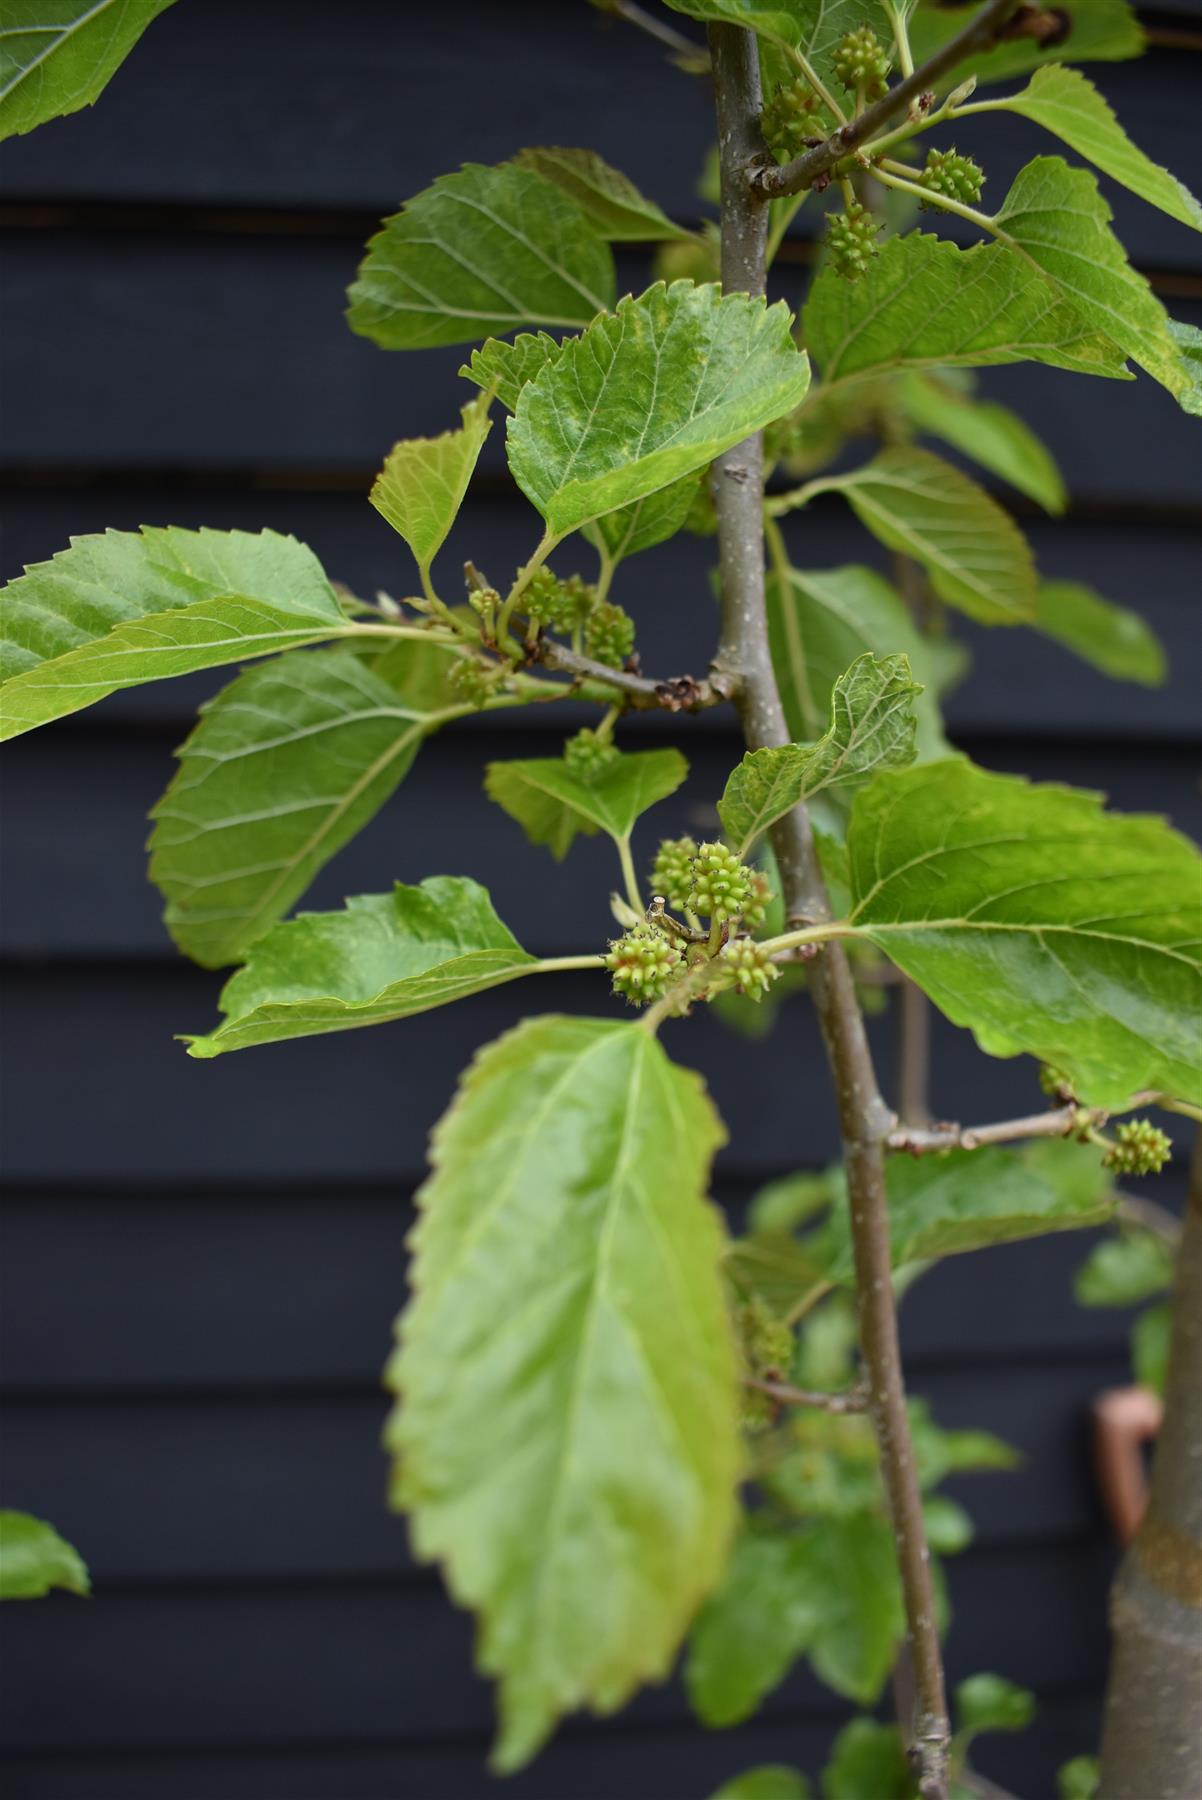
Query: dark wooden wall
{"x": 203, "y": 1260}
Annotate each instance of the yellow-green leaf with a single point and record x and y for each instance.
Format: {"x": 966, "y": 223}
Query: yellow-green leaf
{"x": 566, "y": 1438}
{"x": 421, "y": 486}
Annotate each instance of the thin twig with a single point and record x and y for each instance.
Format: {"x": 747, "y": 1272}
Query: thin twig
{"x": 687, "y": 52}
{"x": 769, "y": 181}
{"x": 865, "y": 1120}
{"x": 679, "y": 693}
{"x": 1060, "y": 1121}
{"x": 851, "y": 1400}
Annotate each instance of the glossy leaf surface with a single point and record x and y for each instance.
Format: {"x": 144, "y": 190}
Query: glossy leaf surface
{"x": 284, "y": 767}
{"x": 1067, "y": 103}
{"x": 1041, "y": 921}
{"x": 649, "y": 394}
{"x": 974, "y": 554}
{"x": 923, "y": 302}
{"x": 478, "y": 254}
{"x": 421, "y": 486}
{"x": 59, "y": 55}
{"x": 567, "y": 1436}
{"x": 609, "y": 200}
{"x": 1057, "y": 216}
{"x": 384, "y": 956}
{"x": 872, "y": 726}
{"x": 553, "y": 805}
{"x": 124, "y": 608}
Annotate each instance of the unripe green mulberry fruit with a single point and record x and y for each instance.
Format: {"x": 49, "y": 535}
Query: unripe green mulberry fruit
{"x": 474, "y": 681}
{"x": 851, "y": 240}
{"x": 609, "y": 634}
{"x": 642, "y": 964}
{"x": 1054, "y": 1082}
{"x": 672, "y": 873}
{"x": 1141, "y": 1148}
{"x": 959, "y": 177}
{"x": 753, "y": 969}
{"x": 767, "y": 1342}
{"x": 756, "y": 909}
{"x": 721, "y": 884}
{"x": 588, "y": 755}
{"x": 563, "y": 605}
{"x": 791, "y": 116}
{"x": 861, "y": 61}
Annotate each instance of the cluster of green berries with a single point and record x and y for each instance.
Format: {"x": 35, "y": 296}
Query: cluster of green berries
{"x": 476, "y": 681}
{"x": 753, "y": 968}
{"x": 563, "y": 605}
{"x": 767, "y": 1346}
{"x": 672, "y": 872}
{"x": 642, "y": 963}
{"x": 1140, "y": 1148}
{"x": 756, "y": 909}
{"x": 851, "y": 240}
{"x": 588, "y": 755}
{"x": 862, "y": 61}
{"x": 609, "y": 634}
{"x": 722, "y": 886}
{"x": 958, "y": 177}
{"x": 791, "y": 117}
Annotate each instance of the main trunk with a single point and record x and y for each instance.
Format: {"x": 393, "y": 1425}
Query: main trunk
{"x": 1152, "y": 1743}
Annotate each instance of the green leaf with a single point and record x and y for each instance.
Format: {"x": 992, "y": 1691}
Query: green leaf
{"x": 812, "y": 26}
{"x": 56, "y": 58}
{"x": 852, "y": 1572}
{"x": 750, "y": 1631}
{"x": 1123, "y": 1270}
{"x": 867, "y": 1763}
{"x": 385, "y": 956}
{"x": 922, "y": 302}
{"x": 991, "y": 1703}
{"x": 872, "y": 726}
{"x": 34, "y": 1559}
{"x": 123, "y": 608}
{"x": 939, "y": 1453}
{"x": 1078, "y": 1779}
{"x": 990, "y": 434}
{"x": 771, "y": 1781}
{"x": 567, "y": 1437}
{"x": 649, "y": 394}
{"x": 791, "y": 1200}
{"x": 774, "y": 1266}
{"x": 1151, "y": 1335}
{"x": 650, "y": 521}
{"x": 821, "y": 621}
{"x": 505, "y": 368}
{"x": 961, "y": 1200}
{"x": 1102, "y": 31}
{"x": 1042, "y": 922}
{"x": 421, "y": 486}
{"x": 1058, "y": 218}
{"x": 552, "y": 805}
{"x": 1065, "y": 103}
{"x": 974, "y": 554}
{"x": 284, "y": 767}
{"x": 948, "y": 1525}
{"x": 478, "y": 254}
{"x": 609, "y": 200}
{"x": 1109, "y": 637}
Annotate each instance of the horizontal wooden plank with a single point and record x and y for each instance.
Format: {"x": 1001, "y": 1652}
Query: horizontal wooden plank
{"x": 1019, "y": 683}
{"x": 589, "y": 1762}
{"x": 73, "y": 860}
{"x": 205, "y": 1290}
{"x": 186, "y": 119}
{"x": 582, "y": 1763}
{"x": 287, "y": 1487}
{"x": 127, "y": 348}
{"x": 382, "y": 1661}
{"x": 357, "y": 1106}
